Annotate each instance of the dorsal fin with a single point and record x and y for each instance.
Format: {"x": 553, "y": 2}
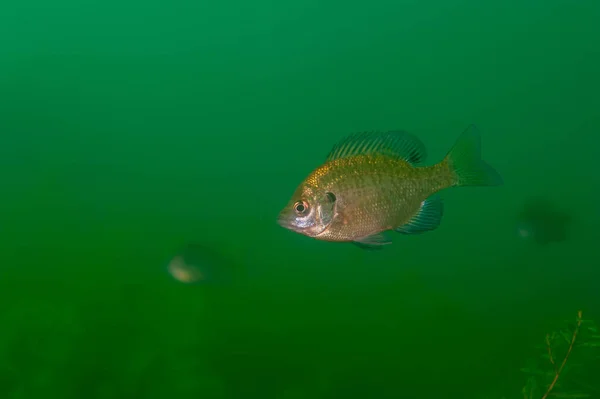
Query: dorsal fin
{"x": 397, "y": 143}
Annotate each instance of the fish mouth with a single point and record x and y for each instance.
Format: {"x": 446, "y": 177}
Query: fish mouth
{"x": 283, "y": 222}
{"x": 286, "y": 224}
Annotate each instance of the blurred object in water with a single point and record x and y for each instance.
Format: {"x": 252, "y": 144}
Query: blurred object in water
{"x": 196, "y": 263}
{"x": 540, "y": 221}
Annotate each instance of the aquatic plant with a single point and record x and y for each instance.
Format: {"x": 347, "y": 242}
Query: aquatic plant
{"x": 562, "y": 376}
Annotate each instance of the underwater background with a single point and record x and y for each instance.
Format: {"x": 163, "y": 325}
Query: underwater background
{"x": 129, "y": 129}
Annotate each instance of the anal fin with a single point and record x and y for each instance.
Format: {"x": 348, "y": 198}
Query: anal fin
{"x": 426, "y": 219}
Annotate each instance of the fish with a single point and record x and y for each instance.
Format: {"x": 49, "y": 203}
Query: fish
{"x": 540, "y": 221}
{"x": 372, "y": 183}
{"x": 199, "y": 264}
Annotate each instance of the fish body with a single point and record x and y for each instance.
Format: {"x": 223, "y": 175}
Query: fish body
{"x": 374, "y": 182}
{"x": 542, "y": 222}
{"x": 199, "y": 264}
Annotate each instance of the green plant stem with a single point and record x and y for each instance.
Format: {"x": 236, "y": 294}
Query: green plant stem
{"x": 564, "y": 362}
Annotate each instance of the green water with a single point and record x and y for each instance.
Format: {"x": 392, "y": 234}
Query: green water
{"x": 128, "y": 129}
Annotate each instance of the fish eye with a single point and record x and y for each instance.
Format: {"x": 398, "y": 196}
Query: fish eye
{"x": 301, "y": 207}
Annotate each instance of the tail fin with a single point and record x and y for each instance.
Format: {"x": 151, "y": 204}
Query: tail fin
{"x": 464, "y": 160}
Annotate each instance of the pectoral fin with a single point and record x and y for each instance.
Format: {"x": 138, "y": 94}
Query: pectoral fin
{"x": 426, "y": 219}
